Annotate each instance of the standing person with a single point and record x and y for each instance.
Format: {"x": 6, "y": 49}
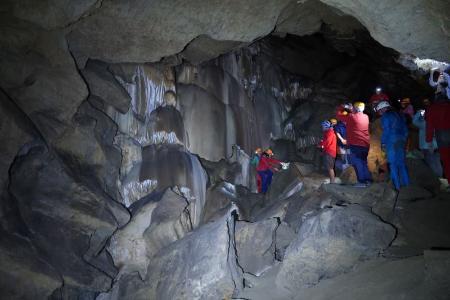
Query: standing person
{"x": 378, "y": 97}
{"x": 407, "y": 108}
{"x": 255, "y": 161}
{"x": 429, "y": 150}
{"x": 395, "y": 134}
{"x": 438, "y": 124}
{"x": 442, "y": 82}
{"x": 267, "y": 165}
{"x": 341, "y": 135}
{"x": 408, "y": 111}
{"x": 358, "y": 139}
{"x": 375, "y": 99}
{"x": 328, "y": 144}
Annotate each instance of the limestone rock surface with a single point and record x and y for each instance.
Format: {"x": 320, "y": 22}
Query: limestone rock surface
{"x": 202, "y": 265}
{"x": 330, "y": 243}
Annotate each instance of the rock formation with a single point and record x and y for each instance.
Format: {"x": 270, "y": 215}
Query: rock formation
{"x": 127, "y": 130}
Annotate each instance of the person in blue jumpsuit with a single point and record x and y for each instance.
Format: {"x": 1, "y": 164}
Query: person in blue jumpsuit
{"x": 393, "y": 139}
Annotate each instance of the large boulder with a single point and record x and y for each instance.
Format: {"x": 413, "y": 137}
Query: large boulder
{"x": 202, "y": 265}
{"x": 66, "y": 221}
{"x": 157, "y": 220}
{"x": 380, "y": 198}
{"x": 331, "y": 242}
{"x": 255, "y": 245}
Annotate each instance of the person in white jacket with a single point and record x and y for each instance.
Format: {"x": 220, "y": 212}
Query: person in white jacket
{"x": 442, "y": 85}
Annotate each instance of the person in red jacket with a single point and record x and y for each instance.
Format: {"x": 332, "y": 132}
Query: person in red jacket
{"x": 267, "y": 165}
{"x": 378, "y": 97}
{"x": 329, "y": 146}
{"x": 438, "y": 125}
{"x": 358, "y": 139}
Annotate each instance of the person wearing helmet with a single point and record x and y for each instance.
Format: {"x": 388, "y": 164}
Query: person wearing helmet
{"x": 429, "y": 150}
{"x": 407, "y": 108}
{"x": 438, "y": 124}
{"x": 440, "y": 80}
{"x": 358, "y": 140}
{"x": 267, "y": 165}
{"x": 255, "y": 161}
{"x": 378, "y": 97}
{"x": 341, "y": 139}
{"x": 328, "y": 145}
{"x": 393, "y": 140}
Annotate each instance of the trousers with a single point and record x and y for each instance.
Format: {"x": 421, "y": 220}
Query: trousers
{"x": 445, "y": 157}
{"x": 396, "y": 159}
{"x": 433, "y": 160}
{"x": 358, "y": 159}
{"x": 266, "y": 179}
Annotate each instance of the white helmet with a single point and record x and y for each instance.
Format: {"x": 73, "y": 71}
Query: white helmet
{"x": 381, "y": 105}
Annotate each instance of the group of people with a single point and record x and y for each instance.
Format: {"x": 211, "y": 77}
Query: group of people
{"x": 347, "y": 138}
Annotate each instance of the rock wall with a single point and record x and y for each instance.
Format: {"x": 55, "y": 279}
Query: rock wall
{"x": 112, "y": 110}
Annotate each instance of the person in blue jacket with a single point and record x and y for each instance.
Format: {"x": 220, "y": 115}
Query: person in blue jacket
{"x": 342, "y": 149}
{"x": 393, "y": 140}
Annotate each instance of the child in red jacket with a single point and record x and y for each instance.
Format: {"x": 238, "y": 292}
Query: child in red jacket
{"x": 329, "y": 144}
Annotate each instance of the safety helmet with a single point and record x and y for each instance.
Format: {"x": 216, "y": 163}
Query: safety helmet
{"x": 269, "y": 151}
{"x": 405, "y": 101}
{"x": 381, "y": 105}
{"x": 333, "y": 121}
{"x": 258, "y": 150}
{"x": 359, "y": 106}
{"x": 326, "y": 124}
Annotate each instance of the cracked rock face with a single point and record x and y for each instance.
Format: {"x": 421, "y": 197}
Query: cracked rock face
{"x": 202, "y": 265}
{"x": 157, "y": 221}
{"x": 255, "y": 245}
{"x": 332, "y": 242}
{"x": 75, "y": 219}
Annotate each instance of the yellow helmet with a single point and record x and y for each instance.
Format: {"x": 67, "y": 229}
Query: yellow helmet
{"x": 269, "y": 151}
{"x": 333, "y": 121}
{"x": 359, "y": 106}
